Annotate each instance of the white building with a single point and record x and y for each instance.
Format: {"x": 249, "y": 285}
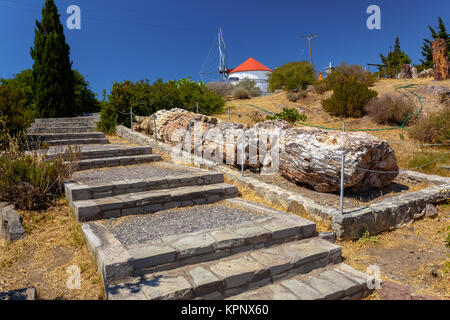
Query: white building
{"x": 251, "y": 69}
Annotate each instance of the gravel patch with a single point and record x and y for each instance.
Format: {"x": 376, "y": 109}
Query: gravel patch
{"x": 143, "y": 228}
{"x": 144, "y": 171}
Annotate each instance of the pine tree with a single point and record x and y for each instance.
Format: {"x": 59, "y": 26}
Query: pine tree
{"x": 427, "y": 49}
{"x": 395, "y": 59}
{"x": 53, "y": 79}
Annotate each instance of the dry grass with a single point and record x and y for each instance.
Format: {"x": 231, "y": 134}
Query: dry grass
{"x": 53, "y": 243}
{"x": 115, "y": 139}
{"x": 322, "y": 225}
{"x": 408, "y": 255}
{"x": 405, "y": 147}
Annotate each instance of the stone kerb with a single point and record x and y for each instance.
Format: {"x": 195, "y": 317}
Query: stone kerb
{"x": 379, "y": 216}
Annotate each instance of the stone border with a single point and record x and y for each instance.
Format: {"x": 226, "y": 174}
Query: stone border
{"x": 11, "y": 223}
{"x": 78, "y": 191}
{"x": 157, "y": 200}
{"x": 118, "y": 261}
{"x": 387, "y": 214}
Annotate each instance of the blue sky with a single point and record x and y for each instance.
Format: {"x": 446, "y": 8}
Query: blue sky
{"x": 138, "y": 39}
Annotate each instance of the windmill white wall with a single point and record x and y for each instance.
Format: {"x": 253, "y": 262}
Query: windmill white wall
{"x": 260, "y": 77}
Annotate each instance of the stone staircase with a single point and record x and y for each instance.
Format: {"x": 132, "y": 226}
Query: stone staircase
{"x": 273, "y": 255}
{"x": 66, "y": 131}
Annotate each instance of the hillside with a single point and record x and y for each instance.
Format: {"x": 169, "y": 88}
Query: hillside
{"x": 408, "y": 152}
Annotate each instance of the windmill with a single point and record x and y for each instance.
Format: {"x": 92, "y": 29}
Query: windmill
{"x": 210, "y": 71}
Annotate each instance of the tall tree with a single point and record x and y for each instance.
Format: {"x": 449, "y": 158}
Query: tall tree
{"x": 395, "y": 59}
{"x": 427, "y": 50}
{"x": 53, "y": 79}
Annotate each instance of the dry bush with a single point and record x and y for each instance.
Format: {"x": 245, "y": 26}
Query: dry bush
{"x": 220, "y": 88}
{"x": 241, "y": 93}
{"x": 433, "y": 128}
{"x": 295, "y": 96}
{"x": 321, "y": 87}
{"x": 390, "y": 108}
{"x": 32, "y": 181}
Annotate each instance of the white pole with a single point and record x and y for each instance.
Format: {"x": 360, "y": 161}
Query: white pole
{"x": 243, "y": 153}
{"x": 341, "y": 202}
{"x": 154, "y": 126}
{"x": 131, "y": 118}
{"x": 197, "y": 107}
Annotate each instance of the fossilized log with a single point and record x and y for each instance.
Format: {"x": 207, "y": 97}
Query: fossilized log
{"x": 306, "y": 155}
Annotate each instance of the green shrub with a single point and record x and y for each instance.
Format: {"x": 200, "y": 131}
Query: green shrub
{"x": 241, "y": 93}
{"x": 32, "y": 182}
{"x": 432, "y": 128}
{"x": 146, "y": 98}
{"x": 14, "y": 115}
{"x": 292, "y": 76}
{"x": 288, "y": 114}
{"x": 108, "y": 118}
{"x": 250, "y": 86}
{"x": 390, "y": 109}
{"x": 349, "y": 99}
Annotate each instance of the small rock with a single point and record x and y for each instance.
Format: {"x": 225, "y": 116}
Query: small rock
{"x": 431, "y": 211}
{"x": 29, "y": 293}
{"x": 393, "y": 291}
{"x": 434, "y": 273}
{"x": 328, "y": 236}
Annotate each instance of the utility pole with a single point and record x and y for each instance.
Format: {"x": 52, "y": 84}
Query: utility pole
{"x": 310, "y": 37}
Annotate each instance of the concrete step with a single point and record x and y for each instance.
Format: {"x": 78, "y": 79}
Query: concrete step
{"x": 332, "y": 282}
{"x": 227, "y": 276}
{"x": 63, "y": 124}
{"x": 93, "y": 118}
{"x": 150, "y": 201}
{"x": 66, "y": 129}
{"x": 78, "y": 191}
{"x": 66, "y": 142}
{"x": 70, "y": 136}
{"x": 105, "y": 152}
{"x": 96, "y": 163}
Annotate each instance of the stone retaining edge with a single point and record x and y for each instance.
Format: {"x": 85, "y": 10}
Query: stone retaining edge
{"x": 376, "y": 218}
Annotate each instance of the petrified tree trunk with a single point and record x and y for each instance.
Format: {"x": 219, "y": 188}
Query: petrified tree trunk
{"x": 305, "y": 155}
{"x": 313, "y": 156}
{"x": 440, "y": 60}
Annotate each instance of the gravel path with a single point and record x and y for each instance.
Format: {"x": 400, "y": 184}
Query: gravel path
{"x": 152, "y": 170}
{"x": 143, "y": 228}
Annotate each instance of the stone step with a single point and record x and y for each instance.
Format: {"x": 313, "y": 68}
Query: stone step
{"x": 96, "y": 163}
{"x": 93, "y": 118}
{"x": 66, "y": 142}
{"x": 79, "y": 191}
{"x": 67, "y": 129}
{"x": 224, "y": 277}
{"x": 150, "y": 201}
{"x": 70, "y": 136}
{"x": 106, "y": 152}
{"x": 63, "y": 124}
{"x": 332, "y": 282}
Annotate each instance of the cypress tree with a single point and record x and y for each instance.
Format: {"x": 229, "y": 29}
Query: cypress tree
{"x": 427, "y": 50}
{"x": 53, "y": 79}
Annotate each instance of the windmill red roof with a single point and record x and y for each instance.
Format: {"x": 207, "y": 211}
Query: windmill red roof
{"x": 250, "y": 65}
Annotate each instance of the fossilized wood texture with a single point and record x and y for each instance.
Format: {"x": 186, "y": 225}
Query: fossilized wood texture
{"x": 306, "y": 155}
{"x": 440, "y": 60}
